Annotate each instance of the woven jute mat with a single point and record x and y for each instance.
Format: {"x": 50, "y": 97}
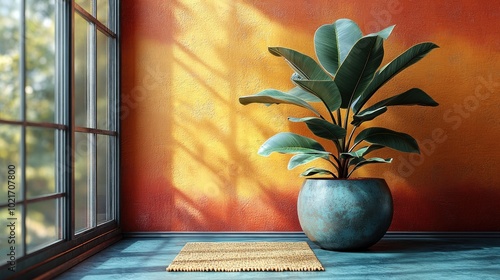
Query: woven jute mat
{"x": 246, "y": 256}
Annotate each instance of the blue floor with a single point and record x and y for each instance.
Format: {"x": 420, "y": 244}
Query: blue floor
{"x": 394, "y": 257}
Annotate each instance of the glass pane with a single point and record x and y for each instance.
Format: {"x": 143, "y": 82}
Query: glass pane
{"x": 86, "y": 4}
{"x": 11, "y": 247}
{"x": 81, "y": 68}
{"x": 40, "y": 60}
{"x": 10, "y": 158}
{"x": 40, "y": 161}
{"x": 42, "y": 224}
{"x": 103, "y": 182}
{"x": 9, "y": 60}
{"x": 102, "y": 80}
{"x": 103, "y": 11}
{"x": 82, "y": 181}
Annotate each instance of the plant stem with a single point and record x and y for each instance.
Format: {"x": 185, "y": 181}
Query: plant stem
{"x": 342, "y": 171}
{"x": 346, "y": 168}
{"x": 350, "y": 138}
{"x": 349, "y": 175}
{"x": 339, "y": 116}
{"x": 352, "y": 148}
{"x": 346, "y": 117}
{"x": 333, "y": 163}
{"x": 337, "y": 144}
{"x": 331, "y": 115}
{"x": 345, "y": 144}
{"x": 335, "y": 158}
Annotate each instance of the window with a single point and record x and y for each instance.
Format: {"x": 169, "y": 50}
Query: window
{"x": 95, "y": 125}
{"x": 58, "y": 131}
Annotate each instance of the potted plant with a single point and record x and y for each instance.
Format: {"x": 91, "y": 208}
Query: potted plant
{"x": 338, "y": 212}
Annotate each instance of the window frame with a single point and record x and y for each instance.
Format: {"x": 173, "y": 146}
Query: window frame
{"x": 112, "y": 120}
{"x": 71, "y": 248}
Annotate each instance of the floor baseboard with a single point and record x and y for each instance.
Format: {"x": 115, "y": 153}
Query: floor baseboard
{"x": 295, "y": 234}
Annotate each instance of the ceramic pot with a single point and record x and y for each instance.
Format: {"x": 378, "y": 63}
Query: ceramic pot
{"x": 345, "y": 214}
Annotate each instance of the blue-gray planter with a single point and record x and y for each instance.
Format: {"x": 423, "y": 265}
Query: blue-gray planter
{"x": 345, "y": 214}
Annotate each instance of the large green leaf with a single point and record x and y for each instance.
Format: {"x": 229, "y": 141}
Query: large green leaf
{"x": 361, "y": 151}
{"x": 290, "y": 143}
{"x": 358, "y": 69}
{"x": 273, "y": 96}
{"x": 367, "y": 115}
{"x": 314, "y": 171}
{"x": 388, "y": 138}
{"x": 303, "y": 94}
{"x": 327, "y": 91}
{"x": 302, "y": 64}
{"x": 322, "y": 128}
{"x": 358, "y": 162}
{"x": 414, "y": 96}
{"x": 404, "y": 60}
{"x": 384, "y": 33}
{"x": 332, "y": 43}
{"x": 301, "y": 159}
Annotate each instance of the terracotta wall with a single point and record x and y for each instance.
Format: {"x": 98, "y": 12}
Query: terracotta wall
{"x": 189, "y": 159}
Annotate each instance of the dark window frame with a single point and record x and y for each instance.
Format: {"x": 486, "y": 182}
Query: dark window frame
{"x": 71, "y": 248}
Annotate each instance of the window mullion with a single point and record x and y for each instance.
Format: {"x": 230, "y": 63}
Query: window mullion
{"x": 22, "y": 95}
{"x": 63, "y": 115}
{"x": 94, "y": 8}
{"x": 92, "y": 74}
{"x": 93, "y": 124}
{"x": 92, "y": 181}
{"x": 115, "y": 54}
{"x": 71, "y": 188}
{"x": 22, "y": 60}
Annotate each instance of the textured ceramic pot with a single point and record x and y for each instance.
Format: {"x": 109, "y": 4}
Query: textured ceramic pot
{"x": 345, "y": 215}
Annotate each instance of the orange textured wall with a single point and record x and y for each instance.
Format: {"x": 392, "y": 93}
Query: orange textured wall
{"x": 189, "y": 159}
